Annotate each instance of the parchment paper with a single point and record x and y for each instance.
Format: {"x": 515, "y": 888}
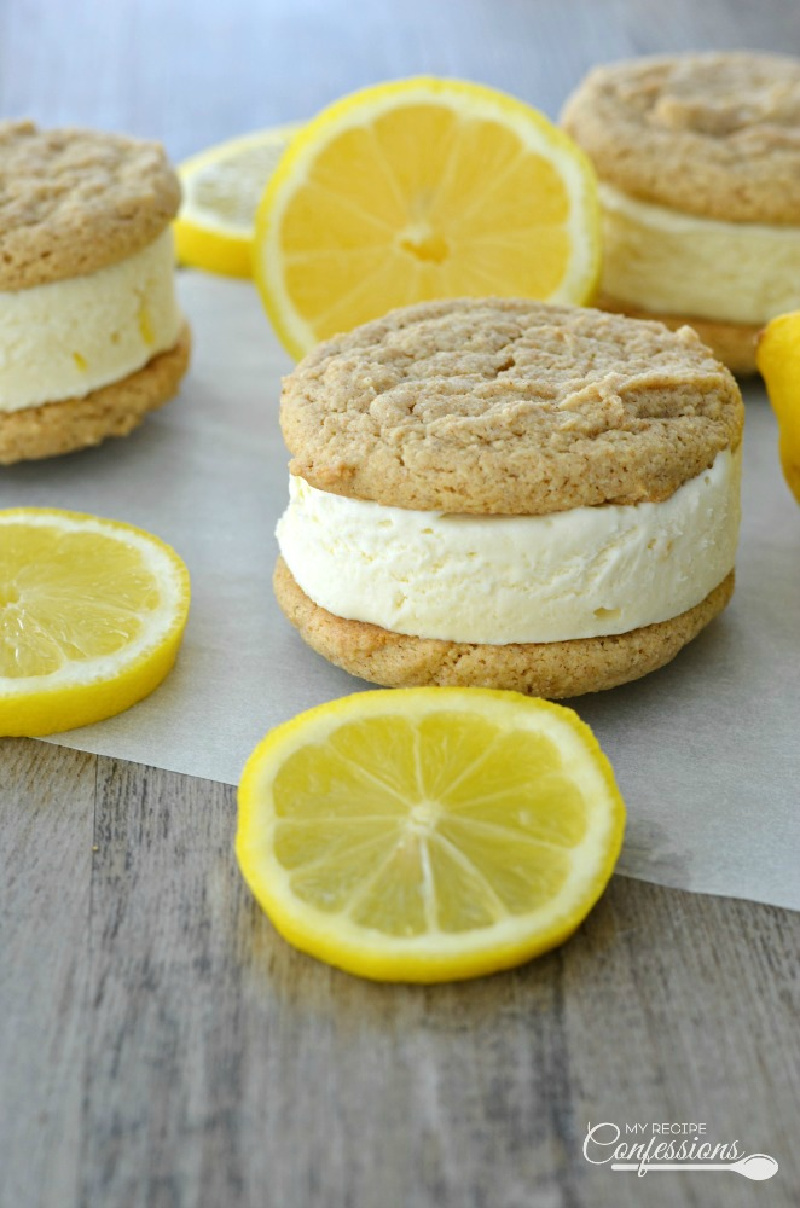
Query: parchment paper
{"x": 706, "y": 751}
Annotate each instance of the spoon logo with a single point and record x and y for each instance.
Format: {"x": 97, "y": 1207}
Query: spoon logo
{"x": 675, "y": 1146}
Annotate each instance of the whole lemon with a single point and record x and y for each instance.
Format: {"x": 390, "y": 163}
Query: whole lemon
{"x": 778, "y": 359}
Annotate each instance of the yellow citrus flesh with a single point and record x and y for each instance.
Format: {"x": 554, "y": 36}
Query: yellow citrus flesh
{"x": 779, "y": 362}
{"x": 429, "y": 834}
{"x": 92, "y": 613}
{"x": 422, "y": 189}
{"x": 221, "y": 191}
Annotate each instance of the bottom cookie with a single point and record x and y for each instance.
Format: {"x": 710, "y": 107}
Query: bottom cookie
{"x": 732, "y": 343}
{"x": 550, "y": 669}
{"x": 113, "y": 410}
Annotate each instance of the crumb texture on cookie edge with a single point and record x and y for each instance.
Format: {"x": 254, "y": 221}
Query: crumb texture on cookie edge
{"x": 732, "y": 343}
{"x": 508, "y": 406}
{"x": 73, "y": 201}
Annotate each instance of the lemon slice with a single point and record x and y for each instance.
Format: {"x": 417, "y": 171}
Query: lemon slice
{"x": 221, "y": 191}
{"x": 91, "y": 617}
{"x": 778, "y": 359}
{"x": 422, "y": 189}
{"x": 428, "y": 834}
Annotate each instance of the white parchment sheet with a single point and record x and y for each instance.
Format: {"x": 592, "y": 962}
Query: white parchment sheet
{"x": 706, "y": 751}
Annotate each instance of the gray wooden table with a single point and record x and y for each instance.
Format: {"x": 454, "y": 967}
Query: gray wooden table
{"x": 160, "y": 1047}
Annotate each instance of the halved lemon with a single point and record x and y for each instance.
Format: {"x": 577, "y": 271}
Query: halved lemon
{"x": 429, "y": 834}
{"x": 91, "y": 617}
{"x": 422, "y": 189}
{"x": 778, "y": 359}
{"x": 221, "y": 191}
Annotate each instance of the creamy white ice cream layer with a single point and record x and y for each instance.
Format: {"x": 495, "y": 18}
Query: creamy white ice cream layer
{"x": 63, "y": 339}
{"x": 662, "y": 260}
{"x": 500, "y": 579}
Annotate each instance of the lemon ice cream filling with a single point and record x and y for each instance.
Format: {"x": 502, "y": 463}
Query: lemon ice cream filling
{"x": 66, "y": 338}
{"x": 584, "y": 573}
{"x": 665, "y": 261}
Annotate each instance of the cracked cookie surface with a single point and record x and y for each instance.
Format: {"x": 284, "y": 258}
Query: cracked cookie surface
{"x": 75, "y": 201}
{"x": 732, "y": 343}
{"x": 508, "y": 406}
{"x": 715, "y": 135}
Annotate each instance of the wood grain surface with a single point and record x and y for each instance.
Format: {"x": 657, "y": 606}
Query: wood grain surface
{"x": 160, "y": 1046}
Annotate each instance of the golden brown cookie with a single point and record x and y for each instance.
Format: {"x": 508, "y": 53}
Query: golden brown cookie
{"x": 552, "y": 669}
{"x": 503, "y": 493}
{"x": 113, "y": 410}
{"x": 507, "y": 406}
{"x": 74, "y": 201}
{"x": 716, "y": 135}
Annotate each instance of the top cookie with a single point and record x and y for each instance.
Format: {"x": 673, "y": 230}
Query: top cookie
{"x": 507, "y": 406}
{"x": 716, "y": 135}
{"x": 75, "y": 201}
